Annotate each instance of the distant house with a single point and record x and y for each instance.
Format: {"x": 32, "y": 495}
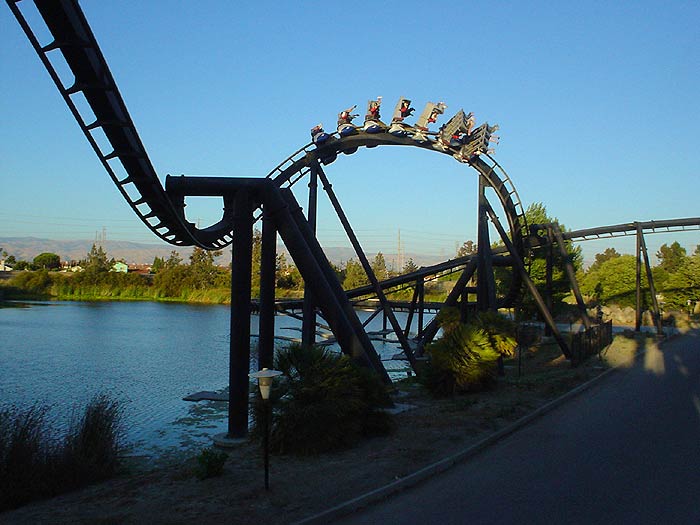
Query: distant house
{"x": 119, "y": 267}
{"x": 4, "y": 267}
{"x": 142, "y": 269}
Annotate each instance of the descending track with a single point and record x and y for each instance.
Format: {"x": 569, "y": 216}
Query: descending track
{"x": 114, "y": 138}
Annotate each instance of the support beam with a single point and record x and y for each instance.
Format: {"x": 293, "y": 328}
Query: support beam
{"x": 308, "y": 326}
{"x": 518, "y": 263}
{"x": 268, "y": 263}
{"x": 368, "y": 268}
{"x": 433, "y": 326}
{"x": 239, "y": 346}
{"x": 571, "y": 274}
{"x": 638, "y": 279}
{"x": 420, "y": 284}
{"x": 656, "y": 313}
{"x": 486, "y": 283}
{"x": 549, "y": 270}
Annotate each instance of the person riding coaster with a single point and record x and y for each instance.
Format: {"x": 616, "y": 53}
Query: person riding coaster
{"x": 403, "y": 109}
{"x": 318, "y": 135}
{"x": 372, "y": 122}
{"x": 345, "y": 126}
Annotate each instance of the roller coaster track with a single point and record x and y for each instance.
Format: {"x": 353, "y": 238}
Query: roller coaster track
{"x": 127, "y": 162}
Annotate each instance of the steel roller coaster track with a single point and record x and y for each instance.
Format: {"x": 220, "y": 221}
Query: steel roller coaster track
{"x": 73, "y": 59}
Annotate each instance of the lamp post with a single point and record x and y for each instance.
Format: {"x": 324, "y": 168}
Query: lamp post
{"x": 265, "y": 378}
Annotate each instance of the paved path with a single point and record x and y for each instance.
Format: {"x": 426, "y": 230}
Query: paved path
{"x": 626, "y": 451}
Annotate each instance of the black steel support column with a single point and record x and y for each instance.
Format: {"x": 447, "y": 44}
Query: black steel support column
{"x": 308, "y": 325}
{"x": 368, "y": 268}
{"x": 571, "y": 274}
{"x": 239, "y": 349}
{"x": 421, "y": 305}
{"x": 268, "y": 263}
{"x": 652, "y": 289}
{"x": 486, "y": 284}
{"x": 520, "y": 266}
{"x": 411, "y": 311}
{"x": 549, "y": 270}
{"x": 433, "y": 326}
{"x": 638, "y": 310}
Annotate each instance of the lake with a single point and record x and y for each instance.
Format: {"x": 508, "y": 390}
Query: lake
{"x": 149, "y": 355}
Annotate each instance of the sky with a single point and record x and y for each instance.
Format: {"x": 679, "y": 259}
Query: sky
{"x": 597, "y": 104}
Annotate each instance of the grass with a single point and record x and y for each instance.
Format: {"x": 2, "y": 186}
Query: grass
{"x": 36, "y": 464}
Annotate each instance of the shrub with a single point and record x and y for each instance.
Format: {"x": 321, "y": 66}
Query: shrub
{"x": 24, "y": 456}
{"x": 464, "y": 358}
{"x": 210, "y": 463}
{"x": 324, "y": 401}
{"x": 34, "y": 464}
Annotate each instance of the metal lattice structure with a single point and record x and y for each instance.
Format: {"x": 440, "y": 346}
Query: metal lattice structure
{"x": 94, "y": 100}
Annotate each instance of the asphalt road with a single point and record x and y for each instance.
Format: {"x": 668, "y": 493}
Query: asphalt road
{"x": 625, "y": 451}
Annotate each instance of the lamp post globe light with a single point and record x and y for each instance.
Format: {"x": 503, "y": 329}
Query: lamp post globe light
{"x": 265, "y": 378}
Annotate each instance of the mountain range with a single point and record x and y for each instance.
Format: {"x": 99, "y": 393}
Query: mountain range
{"x": 26, "y": 248}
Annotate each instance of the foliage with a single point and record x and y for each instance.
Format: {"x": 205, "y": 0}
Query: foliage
{"x": 536, "y": 213}
{"x": 94, "y": 442}
{"x": 409, "y": 267}
{"x": 600, "y": 258}
{"x": 47, "y": 261}
{"x": 355, "y": 275}
{"x": 324, "y": 401}
{"x": 210, "y": 463}
{"x": 34, "y": 464}
{"x": 462, "y": 360}
{"x": 613, "y": 281}
{"x": 671, "y": 257}
{"x": 37, "y": 284}
{"x": 467, "y": 248}
{"x": 379, "y": 267}
{"x": 500, "y": 330}
{"x": 684, "y": 284}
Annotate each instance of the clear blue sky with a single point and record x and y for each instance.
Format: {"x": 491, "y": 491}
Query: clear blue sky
{"x": 597, "y": 103}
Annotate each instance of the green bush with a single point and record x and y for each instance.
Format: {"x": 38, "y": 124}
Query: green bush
{"x": 322, "y": 402}
{"x": 464, "y": 358}
{"x": 210, "y": 463}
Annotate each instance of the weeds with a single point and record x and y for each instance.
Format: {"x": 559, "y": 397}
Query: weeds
{"x": 34, "y": 464}
{"x": 210, "y": 463}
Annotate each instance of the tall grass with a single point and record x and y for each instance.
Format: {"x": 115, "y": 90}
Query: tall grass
{"x": 37, "y": 464}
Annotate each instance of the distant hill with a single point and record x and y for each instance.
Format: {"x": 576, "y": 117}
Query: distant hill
{"x": 26, "y": 248}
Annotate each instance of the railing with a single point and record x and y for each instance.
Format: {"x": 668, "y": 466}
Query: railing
{"x": 592, "y": 341}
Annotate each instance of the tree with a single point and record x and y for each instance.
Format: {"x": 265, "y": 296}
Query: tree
{"x": 11, "y": 261}
{"x": 409, "y": 267}
{"x": 203, "y": 272}
{"x": 536, "y": 213}
{"x": 47, "y": 261}
{"x": 468, "y": 248}
{"x": 684, "y": 284}
{"x": 600, "y": 258}
{"x": 613, "y": 282}
{"x": 379, "y": 267}
{"x": 671, "y": 257}
{"x": 96, "y": 261}
{"x": 355, "y": 275}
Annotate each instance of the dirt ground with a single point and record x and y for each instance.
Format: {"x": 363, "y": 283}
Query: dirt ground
{"x": 301, "y": 487}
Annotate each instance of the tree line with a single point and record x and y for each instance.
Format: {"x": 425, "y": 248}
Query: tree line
{"x": 611, "y": 279}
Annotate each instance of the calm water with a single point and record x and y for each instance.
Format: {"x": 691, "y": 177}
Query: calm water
{"x": 150, "y": 355}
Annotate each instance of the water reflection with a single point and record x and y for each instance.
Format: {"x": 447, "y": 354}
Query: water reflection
{"x": 149, "y": 355}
